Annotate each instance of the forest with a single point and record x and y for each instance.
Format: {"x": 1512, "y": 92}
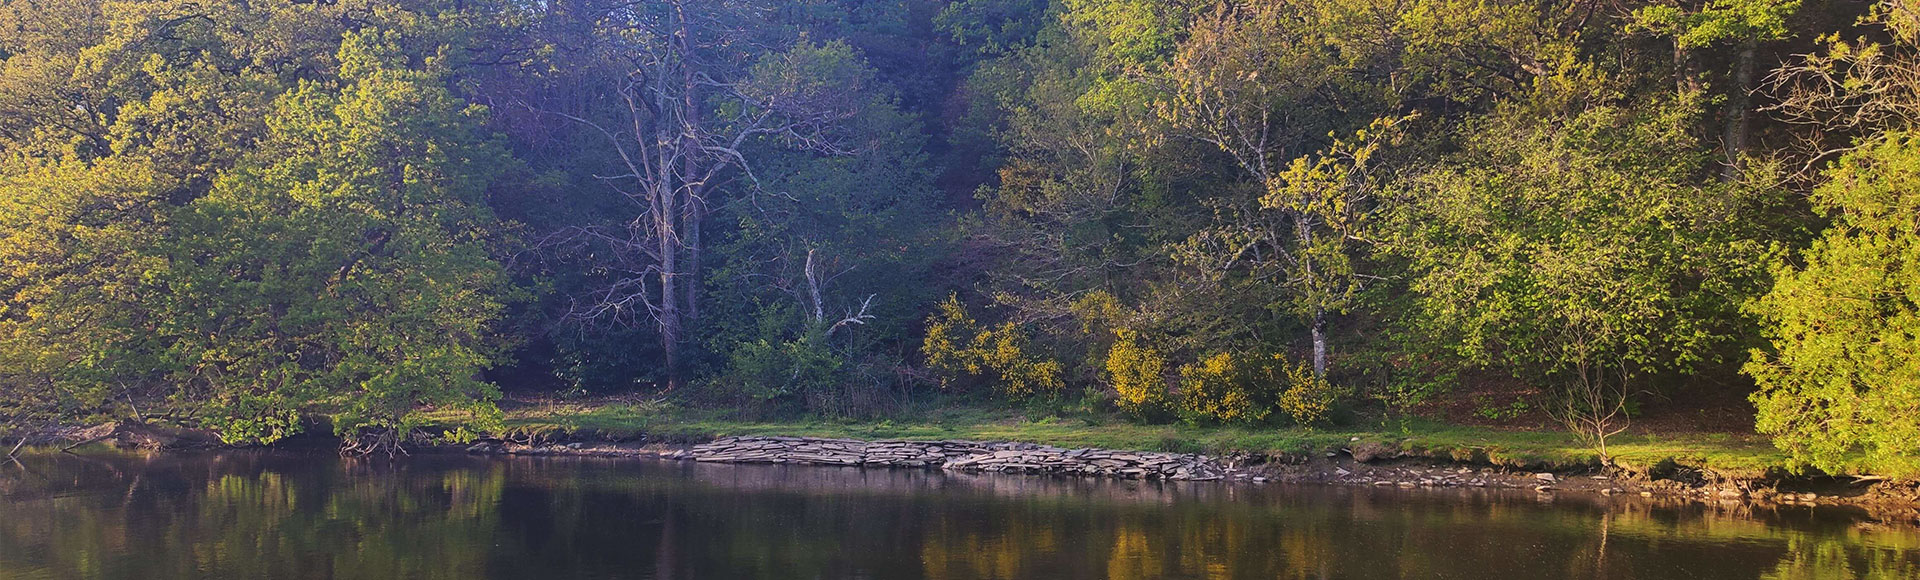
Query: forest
{"x": 264, "y": 217}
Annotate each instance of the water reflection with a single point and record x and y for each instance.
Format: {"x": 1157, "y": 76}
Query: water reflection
{"x": 278, "y": 515}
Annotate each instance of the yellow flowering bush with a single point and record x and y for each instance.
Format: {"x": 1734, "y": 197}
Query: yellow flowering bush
{"x": 1247, "y": 389}
{"x": 1137, "y": 372}
{"x": 957, "y": 346}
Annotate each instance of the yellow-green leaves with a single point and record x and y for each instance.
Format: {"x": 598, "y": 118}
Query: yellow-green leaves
{"x": 1840, "y": 389}
{"x": 1554, "y": 243}
{"x": 1718, "y": 21}
{"x": 343, "y": 269}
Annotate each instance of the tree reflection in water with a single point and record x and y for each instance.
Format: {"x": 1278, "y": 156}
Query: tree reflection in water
{"x": 283, "y": 515}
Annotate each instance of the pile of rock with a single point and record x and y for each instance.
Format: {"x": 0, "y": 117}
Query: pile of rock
{"x": 1125, "y": 464}
{"x": 782, "y": 450}
{"x": 958, "y": 455}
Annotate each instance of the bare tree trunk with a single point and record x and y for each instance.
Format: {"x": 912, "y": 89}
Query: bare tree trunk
{"x": 670, "y": 280}
{"x": 1738, "y": 103}
{"x": 694, "y": 210}
{"x": 676, "y": 197}
{"x": 1685, "y": 79}
{"x": 695, "y": 214}
{"x": 1320, "y": 343}
{"x": 1318, "y": 321}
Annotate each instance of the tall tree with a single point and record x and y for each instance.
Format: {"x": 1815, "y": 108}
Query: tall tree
{"x": 347, "y": 268}
{"x": 1580, "y": 252}
{"x": 1745, "y": 24}
{"x": 1253, "y": 84}
{"x": 687, "y": 93}
{"x": 1839, "y": 383}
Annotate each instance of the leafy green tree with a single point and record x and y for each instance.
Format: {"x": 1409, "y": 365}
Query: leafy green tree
{"x": 1745, "y": 23}
{"x": 75, "y": 270}
{"x": 1840, "y": 385}
{"x": 346, "y": 269}
{"x": 1581, "y": 252}
{"x": 993, "y": 26}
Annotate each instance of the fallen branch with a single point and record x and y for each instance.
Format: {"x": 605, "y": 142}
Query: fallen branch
{"x": 70, "y": 448}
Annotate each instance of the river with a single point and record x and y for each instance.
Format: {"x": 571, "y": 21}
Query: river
{"x": 316, "y": 515}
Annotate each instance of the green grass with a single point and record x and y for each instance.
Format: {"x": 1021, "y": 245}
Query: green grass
{"x": 1732, "y": 455}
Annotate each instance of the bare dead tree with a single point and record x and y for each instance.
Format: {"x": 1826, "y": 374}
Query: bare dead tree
{"x": 817, "y": 314}
{"x": 1852, "y": 88}
{"x": 687, "y": 110}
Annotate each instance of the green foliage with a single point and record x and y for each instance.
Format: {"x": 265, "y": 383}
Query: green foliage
{"x": 1718, "y": 21}
{"x": 1839, "y": 388}
{"x": 1553, "y": 244}
{"x": 346, "y": 267}
{"x": 763, "y": 371}
{"x": 1486, "y": 408}
{"x": 336, "y": 259}
{"x": 71, "y": 235}
{"x": 992, "y": 26}
{"x": 248, "y": 214}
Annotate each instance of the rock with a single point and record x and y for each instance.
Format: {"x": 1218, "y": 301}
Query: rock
{"x": 1543, "y": 488}
{"x": 481, "y": 448}
{"x": 1338, "y": 472}
{"x": 1369, "y": 451}
{"x": 960, "y": 456}
{"x": 1545, "y": 477}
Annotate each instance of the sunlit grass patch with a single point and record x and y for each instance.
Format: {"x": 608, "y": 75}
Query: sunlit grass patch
{"x": 1725, "y": 453}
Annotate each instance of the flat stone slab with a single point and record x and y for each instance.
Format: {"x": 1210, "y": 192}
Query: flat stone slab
{"x": 959, "y": 455}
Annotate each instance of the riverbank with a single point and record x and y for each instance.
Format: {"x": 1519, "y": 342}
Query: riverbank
{"x": 1885, "y": 503}
{"x": 1709, "y": 467}
{"x": 1741, "y": 456}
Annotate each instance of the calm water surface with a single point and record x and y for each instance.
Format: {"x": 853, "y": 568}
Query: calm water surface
{"x": 284, "y": 515}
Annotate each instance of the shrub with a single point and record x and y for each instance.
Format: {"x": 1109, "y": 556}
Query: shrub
{"x": 1137, "y": 372}
{"x": 1839, "y": 387}
{"x": 1308, "y": 400}
{"x": 1229, "y": 389}
{"x": 956, "y": 345}
{"x": 1248, "y": 389}
{"x": 763, "y": 372}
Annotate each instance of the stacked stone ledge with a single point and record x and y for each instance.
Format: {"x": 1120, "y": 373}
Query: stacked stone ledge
{"x": 959, "y": 455}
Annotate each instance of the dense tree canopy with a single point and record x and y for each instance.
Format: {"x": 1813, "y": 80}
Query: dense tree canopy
{"x": 261, "y": 217}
